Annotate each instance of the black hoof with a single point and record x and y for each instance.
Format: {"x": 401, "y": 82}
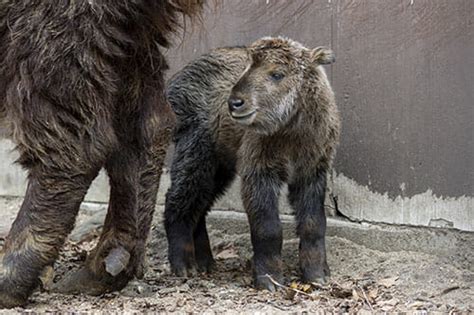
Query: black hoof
{"x": 186, "y": 272}
{"x": 86, "y": 282}
{"x": 317, "y": 274}
{"x": 206, "y": 264}
{"x": 8, "y": 300}
{"x": 11, "y": 295}
{"x": 268, "y": 282}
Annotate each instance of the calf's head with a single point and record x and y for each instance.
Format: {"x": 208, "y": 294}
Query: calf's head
{"x": 265, "y": 98}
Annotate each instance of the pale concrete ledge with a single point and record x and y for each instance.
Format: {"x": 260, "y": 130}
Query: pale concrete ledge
{"x": 382, "y": 237}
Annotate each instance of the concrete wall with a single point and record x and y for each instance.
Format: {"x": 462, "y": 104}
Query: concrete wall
{"x": 404, "y": 84}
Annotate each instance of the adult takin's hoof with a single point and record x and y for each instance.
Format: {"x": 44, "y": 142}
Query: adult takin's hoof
{"x": 8, "y": 300}
{"x": 9, "y": 296}
{"x": 205, "y": 263}
{"x": 314, "y": 273}
{"x": 113, "y": 277}
{"x": 84, "y": 281}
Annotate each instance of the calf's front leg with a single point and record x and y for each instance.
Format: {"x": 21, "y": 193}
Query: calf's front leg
{"x": 260, "y": 191}
{"x": 306, "y": 196}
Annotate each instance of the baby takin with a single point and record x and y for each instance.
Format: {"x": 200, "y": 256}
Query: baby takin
{"x": 266, "y": 112}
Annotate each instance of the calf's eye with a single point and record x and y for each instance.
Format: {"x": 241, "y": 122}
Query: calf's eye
{"x": 277, "y": 76}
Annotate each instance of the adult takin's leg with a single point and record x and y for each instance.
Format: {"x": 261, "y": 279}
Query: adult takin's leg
{"x": 306, "y": 195}
{"x": 260, "y": 191}
{"x": 197, "y": 179}
{"x": 134, "y": 170}
{"x": 107, "y": 266}
{"x": 46, "y": 217}
{"x": 148, "y": 189}
{"x": 158, "y": 120}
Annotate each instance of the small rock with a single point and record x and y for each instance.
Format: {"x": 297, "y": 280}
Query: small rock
{"x": 137, "y": 288}
{"x": 228, "y": 253}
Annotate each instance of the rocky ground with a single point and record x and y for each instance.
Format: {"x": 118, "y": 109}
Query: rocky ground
{"x": 363, "y": 279}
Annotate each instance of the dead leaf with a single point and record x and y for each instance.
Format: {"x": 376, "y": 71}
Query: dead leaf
{"x": 391, "y": 302}
{"x": 347, "y": 285}
{"x": 386, "y": 308}
{"x": 387, "y": 282}
{"x": 416, "y": 305}
{"x": 340, "y": 292}
{"x": 294, "y": 285}
{"x": 372, "y": 294}
{"x": 306, "y": 287}
{"x": 180, "y": 302}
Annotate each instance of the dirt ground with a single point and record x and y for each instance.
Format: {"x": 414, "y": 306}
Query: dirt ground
{"x": 362, "y": 279}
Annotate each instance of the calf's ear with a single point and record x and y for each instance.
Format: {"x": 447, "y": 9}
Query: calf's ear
{"x": 322, "y": 56}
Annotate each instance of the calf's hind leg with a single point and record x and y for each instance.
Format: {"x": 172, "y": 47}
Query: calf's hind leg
{"x": 202, "y": 246}
{"x": 224, "y": 175}
{"x": 197, "y": 179}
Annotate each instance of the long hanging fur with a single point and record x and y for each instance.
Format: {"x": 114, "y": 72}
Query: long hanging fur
{"x": 81, "y": 88}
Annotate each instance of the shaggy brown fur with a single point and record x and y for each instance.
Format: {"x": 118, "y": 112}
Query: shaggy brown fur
{"x": 81, "y": 88}
{"x": 267, "y": 112}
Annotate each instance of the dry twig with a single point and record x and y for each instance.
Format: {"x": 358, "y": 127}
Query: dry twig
{"x": 366, "y": 298}
{"x": 287, "y": 287}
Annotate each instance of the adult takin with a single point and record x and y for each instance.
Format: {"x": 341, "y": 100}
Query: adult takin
{"x": 81, "y": 88}
{"x": 266, "y": 112}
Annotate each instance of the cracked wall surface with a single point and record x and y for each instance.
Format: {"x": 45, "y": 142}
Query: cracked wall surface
{"x": 359, "y": 202}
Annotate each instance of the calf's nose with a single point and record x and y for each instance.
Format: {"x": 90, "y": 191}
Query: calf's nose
{"x": 235, "y": 104}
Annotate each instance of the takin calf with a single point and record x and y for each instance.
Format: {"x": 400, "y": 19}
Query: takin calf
{"x": 268, "y": 113}
{"x": 81, "y": 88}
